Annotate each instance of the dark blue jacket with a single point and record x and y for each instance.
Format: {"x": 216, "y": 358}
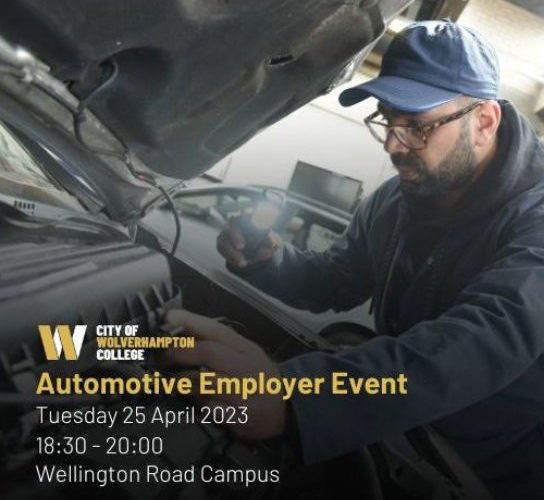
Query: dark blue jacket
{"x": 467, "y": 328}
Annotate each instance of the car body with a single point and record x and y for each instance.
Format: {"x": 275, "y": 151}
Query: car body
{"x": 98, "y": 102}
{"x": 204, "y": 212}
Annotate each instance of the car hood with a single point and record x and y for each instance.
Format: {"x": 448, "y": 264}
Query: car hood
{"x": 185, "y": 82}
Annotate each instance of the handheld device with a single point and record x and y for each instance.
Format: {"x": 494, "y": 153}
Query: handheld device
{"x": 256, "y": 228}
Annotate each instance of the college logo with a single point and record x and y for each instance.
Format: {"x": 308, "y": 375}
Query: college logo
{"x": 62, "y": 340}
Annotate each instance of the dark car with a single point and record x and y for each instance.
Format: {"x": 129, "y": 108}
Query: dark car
{"x": 99, "y": 102}
{"x": 307, "y": 224}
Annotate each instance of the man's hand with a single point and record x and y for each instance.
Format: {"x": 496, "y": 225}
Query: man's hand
{"x": 220, "y": 349}
{"x": 231, "y": 244}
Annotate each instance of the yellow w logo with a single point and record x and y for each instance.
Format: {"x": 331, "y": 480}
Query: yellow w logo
{"x": 62, "y": 340}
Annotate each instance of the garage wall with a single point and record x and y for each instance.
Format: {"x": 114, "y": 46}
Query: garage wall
{"x": 518, "y": 36}
{"x": 323, "y": 134}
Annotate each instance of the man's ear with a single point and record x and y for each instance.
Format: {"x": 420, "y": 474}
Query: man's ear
{"x": 486, "y": 123}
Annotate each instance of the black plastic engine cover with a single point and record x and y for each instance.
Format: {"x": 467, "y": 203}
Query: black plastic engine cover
{"x": 54, "y": 283}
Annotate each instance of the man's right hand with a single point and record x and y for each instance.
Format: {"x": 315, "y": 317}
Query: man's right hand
{"x": 231, "y": 244}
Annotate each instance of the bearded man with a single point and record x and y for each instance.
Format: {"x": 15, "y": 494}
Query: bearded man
{"x": 451, "y": 251}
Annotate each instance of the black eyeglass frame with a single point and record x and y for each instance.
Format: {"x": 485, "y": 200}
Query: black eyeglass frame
{"x": 422, "y": 130}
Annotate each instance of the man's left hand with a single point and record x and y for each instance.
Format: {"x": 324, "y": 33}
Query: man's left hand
{"x": 220, "y": 349}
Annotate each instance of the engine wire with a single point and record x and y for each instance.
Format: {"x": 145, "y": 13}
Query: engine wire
{"x": 79, "y": 117}
{"x": 125, "y": 156}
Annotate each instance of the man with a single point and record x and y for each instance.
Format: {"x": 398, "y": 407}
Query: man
{"x": 452, "y": 253}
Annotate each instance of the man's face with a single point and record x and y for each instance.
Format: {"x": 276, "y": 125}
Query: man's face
{"x": 447, "y": 163}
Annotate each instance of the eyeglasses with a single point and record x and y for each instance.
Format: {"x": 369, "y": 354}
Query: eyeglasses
{"x": 411, "y": 136}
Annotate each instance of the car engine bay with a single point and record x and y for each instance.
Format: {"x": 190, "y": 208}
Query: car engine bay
{"x": 92, "y": 266}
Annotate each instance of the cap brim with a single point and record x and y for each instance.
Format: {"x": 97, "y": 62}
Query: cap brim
{"x": 398, "y": 93}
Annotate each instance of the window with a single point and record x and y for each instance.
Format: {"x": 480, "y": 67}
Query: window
{"x": 327, "y": 187}
{"x": 21, "y": 177}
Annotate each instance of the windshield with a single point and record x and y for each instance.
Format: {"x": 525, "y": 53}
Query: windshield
{"x": 306, "y": 227}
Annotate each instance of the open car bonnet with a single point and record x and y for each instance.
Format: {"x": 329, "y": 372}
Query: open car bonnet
{"x": 185, "y": 82}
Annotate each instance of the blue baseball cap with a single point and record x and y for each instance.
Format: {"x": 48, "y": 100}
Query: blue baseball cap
{"x": 430, "y": 63}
